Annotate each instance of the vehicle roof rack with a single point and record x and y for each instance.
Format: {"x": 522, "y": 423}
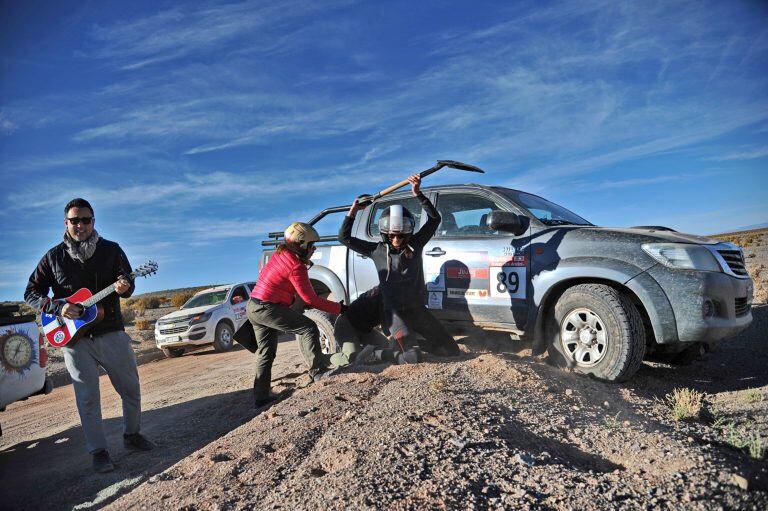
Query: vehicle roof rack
{"x": 278, "y": 235}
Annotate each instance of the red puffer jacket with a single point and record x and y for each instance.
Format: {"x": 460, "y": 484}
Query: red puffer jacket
{"x": 282, "y": 277}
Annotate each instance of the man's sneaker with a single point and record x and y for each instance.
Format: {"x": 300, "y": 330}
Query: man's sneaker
{"x": 101, "y": 462}
{"x": 321, "y": 374}
{"x": 137, "y": 442}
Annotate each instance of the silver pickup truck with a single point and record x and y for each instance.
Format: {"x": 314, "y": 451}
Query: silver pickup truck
{"x": 598, "y": 299}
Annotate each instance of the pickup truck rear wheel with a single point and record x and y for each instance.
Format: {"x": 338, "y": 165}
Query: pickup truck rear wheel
{"x": 324, "y": 322}
{"x": 172, "y": 352}
{"x": 223, "y": 340}
{"x": 599, "y": 332}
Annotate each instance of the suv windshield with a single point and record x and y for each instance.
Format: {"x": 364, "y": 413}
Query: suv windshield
{"x": 547, "y": 212}
{"x": 213, "y": 298}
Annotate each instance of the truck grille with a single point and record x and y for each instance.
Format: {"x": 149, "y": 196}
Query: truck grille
{"x": 741, "y": 306}
{"x": 176, "y": 330}
{"x": 735, "y": 261}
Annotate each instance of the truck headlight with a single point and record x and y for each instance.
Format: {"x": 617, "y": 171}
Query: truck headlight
{"x": 201, "y": 318}
{"x": 682, "y": 256}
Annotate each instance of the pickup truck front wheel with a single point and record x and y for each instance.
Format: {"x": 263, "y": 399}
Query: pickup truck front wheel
{"x": 223, "y": 339}
{"x": 324, "y": 322}
{"x": 599, "y": 332}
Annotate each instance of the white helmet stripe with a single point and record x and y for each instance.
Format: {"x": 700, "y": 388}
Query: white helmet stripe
{"x": 396, "y": 218}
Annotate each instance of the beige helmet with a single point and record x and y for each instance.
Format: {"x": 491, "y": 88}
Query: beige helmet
{"x": 301, "y": 235}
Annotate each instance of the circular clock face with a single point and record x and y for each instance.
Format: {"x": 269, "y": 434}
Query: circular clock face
{"x": 17, "y": 351}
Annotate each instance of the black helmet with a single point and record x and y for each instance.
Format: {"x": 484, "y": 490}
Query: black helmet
{"x": 396, "y": 220}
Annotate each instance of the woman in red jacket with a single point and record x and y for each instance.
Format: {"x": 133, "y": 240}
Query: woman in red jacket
{"x": 285, "y": 275}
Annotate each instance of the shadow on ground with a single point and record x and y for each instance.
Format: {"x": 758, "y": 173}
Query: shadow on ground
{"x": 178, "y": 429}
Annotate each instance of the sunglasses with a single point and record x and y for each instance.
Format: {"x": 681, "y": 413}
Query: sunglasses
{"x": 401, "y": 236}
{"x": 75, "y": 220}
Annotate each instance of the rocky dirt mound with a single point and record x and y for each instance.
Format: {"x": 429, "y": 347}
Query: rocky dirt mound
{"x": 484, "y": 432}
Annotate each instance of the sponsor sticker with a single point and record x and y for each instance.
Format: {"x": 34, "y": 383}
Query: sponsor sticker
{"x": 462, "y": 272}
{"x": 435, "y": 300}
{"x": 518, "y": 260}
{"x": 436, "y": 282}
{"x": 467, "y": 293}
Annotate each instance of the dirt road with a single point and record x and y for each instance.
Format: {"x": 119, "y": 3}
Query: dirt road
{"x": 488, "y": 430}
{"x": 188, "y": 402}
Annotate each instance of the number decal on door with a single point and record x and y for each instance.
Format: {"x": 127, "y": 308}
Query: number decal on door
{"x": 509, "y": 282}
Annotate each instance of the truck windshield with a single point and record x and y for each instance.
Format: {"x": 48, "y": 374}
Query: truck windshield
{"x": 547, "y": 212}
{"x": 213, "y": 298}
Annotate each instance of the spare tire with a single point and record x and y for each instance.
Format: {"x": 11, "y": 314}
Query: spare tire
{"x": 325, "y": 321}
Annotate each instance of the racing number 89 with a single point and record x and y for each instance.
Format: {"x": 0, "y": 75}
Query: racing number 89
{"x": 507, "y": 282}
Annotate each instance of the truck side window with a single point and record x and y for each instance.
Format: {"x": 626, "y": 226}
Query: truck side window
{"x": 464, "y": 214}
{"x": 411, "y": 203}
{"x": 239, "y": 295}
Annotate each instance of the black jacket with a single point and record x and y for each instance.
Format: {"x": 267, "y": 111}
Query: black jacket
{"x": 58, "y": 271}
{"x": 401, "y": 278}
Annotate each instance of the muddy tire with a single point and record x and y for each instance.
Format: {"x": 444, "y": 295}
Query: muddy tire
{"x": 325, "y": 321}
{"x": 223, "y": 340}
{"x": 598, "y": 331}
{"x": 172, "y": 352}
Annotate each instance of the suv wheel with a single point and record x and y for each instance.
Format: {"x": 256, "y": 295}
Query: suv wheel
{"x": 172, "y": 352}
{"x": 324, "y": 322}
{"x": 599, "y": 332}
{"x": 223, "y": 339}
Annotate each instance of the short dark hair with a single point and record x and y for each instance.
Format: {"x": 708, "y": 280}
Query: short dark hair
{"x": 77, "y": 203}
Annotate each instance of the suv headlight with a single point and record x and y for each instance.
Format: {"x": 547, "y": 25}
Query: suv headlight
{"x": 201, "y": 318}
{"x": 682, "y": 256}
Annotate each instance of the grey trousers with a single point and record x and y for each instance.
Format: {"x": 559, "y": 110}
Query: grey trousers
{"x": 113, "y": 352}
{"x": 268, "y": 320}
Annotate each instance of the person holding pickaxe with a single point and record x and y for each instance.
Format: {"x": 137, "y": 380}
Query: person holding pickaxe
{"x": 398, "y": 260}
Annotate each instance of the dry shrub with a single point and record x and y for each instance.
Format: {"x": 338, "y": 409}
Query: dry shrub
{"x": 438, "y": 384}
{"x": 143, "y": 324}
{"x": 146, "y": 302}
{"x": 685, "y": 403}
{"x": 180, "y": 299}
{"x": 129, "y": 315}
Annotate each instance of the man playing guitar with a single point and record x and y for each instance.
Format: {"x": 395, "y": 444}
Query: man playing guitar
{"x": 85, "y": 260}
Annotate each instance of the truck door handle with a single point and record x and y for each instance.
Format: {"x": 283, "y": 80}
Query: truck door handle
{"x": 435, "y": 252}
{"x": 362, "y": 256}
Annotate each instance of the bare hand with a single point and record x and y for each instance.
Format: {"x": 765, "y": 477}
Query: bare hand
{"x": 72, "y": 310}
{"x": 356, "y": 206}
{"x": 415, "y": 181}
{"x": 122, "y": 285}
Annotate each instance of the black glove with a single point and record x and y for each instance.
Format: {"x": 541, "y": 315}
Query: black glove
{"x": 343, "y": 307}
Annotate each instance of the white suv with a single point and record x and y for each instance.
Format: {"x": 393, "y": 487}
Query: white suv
{"x": 210, "y": 316}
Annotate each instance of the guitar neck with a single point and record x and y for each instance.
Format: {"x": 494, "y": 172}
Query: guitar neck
{"x": 100, "y": 295}
{"x": 103, "y": 294}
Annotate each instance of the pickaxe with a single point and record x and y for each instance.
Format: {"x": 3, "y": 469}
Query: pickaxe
{"x": 367, "y": 199}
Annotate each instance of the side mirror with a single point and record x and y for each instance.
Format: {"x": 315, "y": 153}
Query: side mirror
{"x": 508, "y": 222}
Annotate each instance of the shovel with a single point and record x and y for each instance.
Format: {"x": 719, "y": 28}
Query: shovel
{"x": 367, "y": 199}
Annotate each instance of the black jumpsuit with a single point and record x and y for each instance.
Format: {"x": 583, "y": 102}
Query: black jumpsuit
{"x": 402, "y": 291}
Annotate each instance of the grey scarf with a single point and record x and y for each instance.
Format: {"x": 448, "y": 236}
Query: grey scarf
{"x": 81, "y": 250}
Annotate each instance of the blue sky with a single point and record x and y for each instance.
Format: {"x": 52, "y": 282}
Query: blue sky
{"x": 196, "y": 127}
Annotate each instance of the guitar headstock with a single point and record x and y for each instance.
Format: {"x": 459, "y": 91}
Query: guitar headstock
{"x": 146, "y": 269}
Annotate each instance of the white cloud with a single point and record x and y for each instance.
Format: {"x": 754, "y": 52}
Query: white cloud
{"x": 759, "y": 152}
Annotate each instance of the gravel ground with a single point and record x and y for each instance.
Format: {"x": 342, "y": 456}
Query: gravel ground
{"x": 487, "y": 431}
